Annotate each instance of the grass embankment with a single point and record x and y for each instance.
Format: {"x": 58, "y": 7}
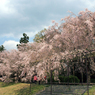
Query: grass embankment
{"x": 24, "y": 89}
{"x": 91, "y": 91}
{"x": 19, "y": 88}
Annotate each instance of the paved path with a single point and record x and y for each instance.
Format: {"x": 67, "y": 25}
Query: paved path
{"x": 64, "y": 90}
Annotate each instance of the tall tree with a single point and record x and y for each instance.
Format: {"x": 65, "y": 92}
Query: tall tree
{"x": 2, "y": 48}
{"x": 74, "y": 41}
{"x": 24, "y": 39}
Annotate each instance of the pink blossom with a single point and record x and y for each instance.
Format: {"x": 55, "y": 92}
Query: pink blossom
{"x": 61, "y": 19}
{"x": 53, "y": 21}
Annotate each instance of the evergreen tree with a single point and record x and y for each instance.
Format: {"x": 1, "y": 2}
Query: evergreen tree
{"x": 2, "y": 48}
{"x": 24, "y": 39}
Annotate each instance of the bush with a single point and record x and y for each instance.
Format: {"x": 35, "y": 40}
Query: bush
{"x": 62, "y": 78}
{"x": 52, "y": 79}
{"x": 92, "y": 80}
{"x": 65, "y": 79}
{"x": 71, "y": 79}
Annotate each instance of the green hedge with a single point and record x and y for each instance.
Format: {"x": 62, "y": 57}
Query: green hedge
{"x": 72, "y": 79}
{"x": 92, "y": 80}
{"x": 62, "y": 78}
{"x": 52, "y": 79}
{"x": 65, "y": 79}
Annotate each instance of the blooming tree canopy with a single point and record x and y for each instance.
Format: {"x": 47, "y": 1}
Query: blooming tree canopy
{"x": 62, "y": 41}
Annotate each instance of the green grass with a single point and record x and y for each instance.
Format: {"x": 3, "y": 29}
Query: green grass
{"x": 2, "y": 84}
{"x": 19, "y": 88}
{"x": 91, "y": 91}
{"x": 34, "y": 89}
{"x": 24, "y": 89}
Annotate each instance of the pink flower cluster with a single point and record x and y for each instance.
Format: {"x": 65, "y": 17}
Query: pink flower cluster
{"x": 65, "y": 42}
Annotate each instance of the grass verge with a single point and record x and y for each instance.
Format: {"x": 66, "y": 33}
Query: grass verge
{"x": 3, "y": 84}
{"x": 19, "y": 88}
{"x": 35, "y": 88}
{"x": 91, "y": 91}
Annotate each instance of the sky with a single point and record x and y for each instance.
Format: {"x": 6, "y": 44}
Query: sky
{"x": 32, "y": 16}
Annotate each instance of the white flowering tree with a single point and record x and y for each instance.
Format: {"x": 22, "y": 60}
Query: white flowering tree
{"x": 63, "y": 41}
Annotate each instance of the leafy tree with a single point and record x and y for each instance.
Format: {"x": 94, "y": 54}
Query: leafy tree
{"x": 39, "y": 36}
{"x": 2, "y": 48}
{"x": 24, "y": 39}
{"x": 73, "y": 46}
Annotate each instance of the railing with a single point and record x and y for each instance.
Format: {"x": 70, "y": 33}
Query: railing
{"x": 61, "y": 88}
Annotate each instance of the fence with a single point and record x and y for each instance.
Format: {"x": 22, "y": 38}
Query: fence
{"x": 66, "y": 88}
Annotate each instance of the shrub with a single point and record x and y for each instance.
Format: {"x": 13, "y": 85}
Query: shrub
{"x": 52, "y": 79}
{"x": 62, "y": 78}
{"x": 65, "y": 79}
{"x": 92, "y": 80}
{"x": 71, "y": 79}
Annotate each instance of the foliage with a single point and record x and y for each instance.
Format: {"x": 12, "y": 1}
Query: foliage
{"x": 24, "y": 39}
{"x": 39, "y": 36}
{"x": 2, "y": 48}
{"x": 71, "y": 41}
{"x": 52, "y": 79}
{"x": 62, "y": 78}
{"x": 71, "y": 79}
{"x": 92, "y": 80}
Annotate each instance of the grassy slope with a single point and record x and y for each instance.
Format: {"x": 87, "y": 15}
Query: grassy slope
{"x": 24, "y": 89}
{"x": 91, "y": 91}
{"x": 19, "y": 89}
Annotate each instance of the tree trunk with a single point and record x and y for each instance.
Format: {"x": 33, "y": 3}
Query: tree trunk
{"x": 88, "y": 76}
{"x": 74, "y": 74}
{"x": 51, "y": 81}
{"x": 82, "y": 77}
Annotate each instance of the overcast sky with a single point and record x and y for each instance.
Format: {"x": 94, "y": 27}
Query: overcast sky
{"x": 31, "y": 16}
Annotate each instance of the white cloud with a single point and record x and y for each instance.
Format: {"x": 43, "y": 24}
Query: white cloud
{"x": 10, "y": 44}
{"x": 32, "y": 16}
{"x": 8, "y": 35}
{"x": 90, "y": 4}
{"x": 6, "y": 7}
{"x": 31, "y": 34}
